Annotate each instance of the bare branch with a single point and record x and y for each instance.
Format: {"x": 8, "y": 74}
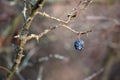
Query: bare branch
{"x": 40, "y": 74}
{"x": 51, "y": 17}
{"x": 20, "y": 76}
{"x": 37, "y": 37}
{"x": 23, "y": 35}
{"x": 94, "y": 75}
{"x": 27, "y": 58}
{"x": 56, "y": 56}
{"x": 86, "y": 3}
{"x": 3, "y": 68}
{"x": 67, "y": 27}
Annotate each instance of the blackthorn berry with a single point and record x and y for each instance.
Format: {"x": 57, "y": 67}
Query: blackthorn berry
{"x": 79, "y": 44}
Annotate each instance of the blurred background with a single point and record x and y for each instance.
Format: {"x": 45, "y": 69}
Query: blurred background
{"x": 54, "y": 56}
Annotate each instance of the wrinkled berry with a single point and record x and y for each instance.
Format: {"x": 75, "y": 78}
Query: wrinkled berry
{"x": 79, "y": 44}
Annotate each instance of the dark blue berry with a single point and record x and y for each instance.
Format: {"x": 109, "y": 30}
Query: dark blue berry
{"x": 79, "y": 44}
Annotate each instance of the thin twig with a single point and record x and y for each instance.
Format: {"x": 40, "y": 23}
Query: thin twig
{"x": 20, "y": 76}
{"x": 3, "y": 68}
{"x": 70, "y": 16}
{"x": 86, "y": 3}
{"x": 67, "y": 27}
{"x": 54, "y": 18}
{"x": 94, "y": 75}
{"x": 37, "y": 37}
{"x": 56, "y": 56}
{"x": 75, "y": 31}
{"x": 40, "y": 73}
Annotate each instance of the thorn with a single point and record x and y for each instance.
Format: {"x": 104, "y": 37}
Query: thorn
{"x": 17, "y": 36}
{"x": 23, "y": 55}
{"x": 37, "y": 38}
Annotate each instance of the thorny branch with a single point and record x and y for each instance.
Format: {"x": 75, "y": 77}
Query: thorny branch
{"x": 23, "y": 36}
